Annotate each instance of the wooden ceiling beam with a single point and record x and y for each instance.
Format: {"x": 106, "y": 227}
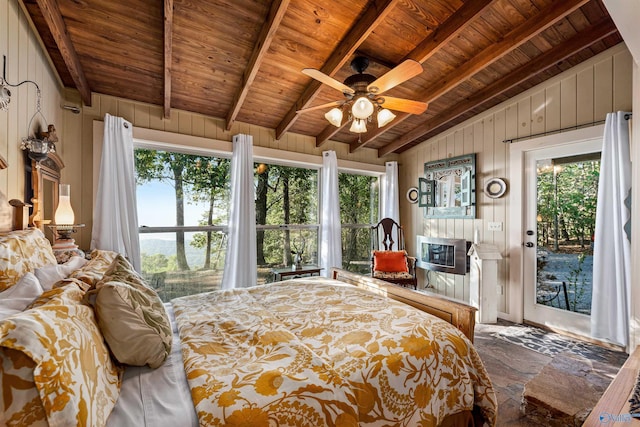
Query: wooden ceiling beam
{"x": 168, "y": 55}
{"x": 372, "y": 17}
{"x": 541, "y": 63}
{"x": 509, "y": 42}
{"x": 449, "y": 29}
{"x": 268, "y": 32}
{"x": 53, "y": 17}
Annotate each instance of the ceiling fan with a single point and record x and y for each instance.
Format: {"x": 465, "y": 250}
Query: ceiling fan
{"x": 363, "y": 94}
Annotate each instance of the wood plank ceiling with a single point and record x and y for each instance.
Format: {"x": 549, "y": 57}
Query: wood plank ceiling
{"x": 241, "y": 60}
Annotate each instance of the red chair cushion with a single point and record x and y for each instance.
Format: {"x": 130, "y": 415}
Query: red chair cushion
{"x": 390, "y": 261}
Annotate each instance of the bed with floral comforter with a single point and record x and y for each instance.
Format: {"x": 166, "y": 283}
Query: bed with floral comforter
{"x": 318, "y": 352}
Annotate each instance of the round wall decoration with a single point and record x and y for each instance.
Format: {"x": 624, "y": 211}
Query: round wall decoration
{"x": 412, "y": 195}
{"x": 495, "y": 188}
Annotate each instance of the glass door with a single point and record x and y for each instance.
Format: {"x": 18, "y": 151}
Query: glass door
{"x": 561, "y": 187}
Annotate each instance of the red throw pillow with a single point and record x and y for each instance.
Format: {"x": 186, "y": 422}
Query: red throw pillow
{"x": 390, "y": 261}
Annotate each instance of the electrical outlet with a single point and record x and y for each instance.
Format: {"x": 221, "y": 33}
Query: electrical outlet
{"x": 494, "y": 226}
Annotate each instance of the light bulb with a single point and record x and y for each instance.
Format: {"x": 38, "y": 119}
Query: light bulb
{"x": 384, "y": 117}
{"x": 334, "y": 116}
{"x": 362, "y": 108}
{"x": 64, "y": 213}
{"x": 358, "y": 126}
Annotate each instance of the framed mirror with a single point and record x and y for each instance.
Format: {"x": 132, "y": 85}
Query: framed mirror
{"x": 448, "y": 188}
{"x": 42, "y": 191}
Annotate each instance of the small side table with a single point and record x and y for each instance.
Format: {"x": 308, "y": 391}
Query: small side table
{"x": 306, "y": 270}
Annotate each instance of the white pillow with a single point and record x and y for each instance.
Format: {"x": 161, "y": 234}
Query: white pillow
{"x": 19, "y": 296}
{"x": 51, "y": 274}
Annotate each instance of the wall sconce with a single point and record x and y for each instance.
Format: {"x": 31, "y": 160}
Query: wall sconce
{"x": 64, "y": 226}
{"x": 41, "y": 143}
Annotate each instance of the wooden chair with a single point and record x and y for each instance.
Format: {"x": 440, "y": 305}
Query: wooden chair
{"x": 389, "y": 264}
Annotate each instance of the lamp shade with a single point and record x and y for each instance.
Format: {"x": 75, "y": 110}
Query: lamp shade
{"x": 334, "y": 116}
{"x": 358, "y": 126}
{"x": 362, "y": 108}
{"x": 384, "y": 117}
{"x": 64, "y": 213}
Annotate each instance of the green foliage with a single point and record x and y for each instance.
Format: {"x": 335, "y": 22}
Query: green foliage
{"x": 572, "y": 197}
{"x": 575, "y": 283}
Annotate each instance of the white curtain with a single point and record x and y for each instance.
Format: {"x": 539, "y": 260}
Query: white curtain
{"x": 240, "y": 270}
{"x": 611, "y": 255}
{"x": 115, "y": 216}
{"x": 330, "y": 227}
{"x": 389, "y": 199}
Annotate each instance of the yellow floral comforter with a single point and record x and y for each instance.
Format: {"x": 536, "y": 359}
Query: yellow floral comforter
{"x": 316, "y": 352}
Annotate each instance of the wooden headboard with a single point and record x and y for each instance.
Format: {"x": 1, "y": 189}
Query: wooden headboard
{"x": 460, "y": 315}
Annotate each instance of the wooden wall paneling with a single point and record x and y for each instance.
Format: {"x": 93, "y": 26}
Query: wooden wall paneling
{"x": 156, "y": 117}
{"x": 210, "y": 128}
{"x": 108, "y": 105}
{"x": 524, "y": 117}
{"x": 603, "y": 88}
{"x": 172, "y": 124}
{"x": 126, "y": 110}
{"x": 498, "y": 134}
{"x": 568, "y": 102}
{"x": 585, "y": 96}
{"x": 511, "y": 121}
{"x": 18, "y": 63}
{"x": 4, "y": 115}
{"x": 141, "y": 116}
{"x": 538, "y": 111}
{"x": 552, "y": 108}
{"x": 622, "y": 81}
{"x": 197, "y": 123}
{"x": 184, "y": 123}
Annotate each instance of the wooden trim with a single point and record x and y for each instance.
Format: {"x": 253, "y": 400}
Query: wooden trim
{"x": 449, "y": 29}
{"x": 615, "y": 400}
{"x": 460, "y": 315}
{"x": 53, "y": 17}
{"x": 168, "y": 55}
{"x": 268, "y": 32}
{"x": 372, "y": 17}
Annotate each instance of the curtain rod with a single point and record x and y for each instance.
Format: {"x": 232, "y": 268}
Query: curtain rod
{"x": 627, "y": 116}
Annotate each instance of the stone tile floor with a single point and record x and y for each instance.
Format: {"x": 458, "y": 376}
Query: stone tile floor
{"x": 511, "y": 366}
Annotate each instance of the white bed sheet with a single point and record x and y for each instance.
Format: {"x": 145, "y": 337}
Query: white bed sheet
{"x": 156, "y": 397}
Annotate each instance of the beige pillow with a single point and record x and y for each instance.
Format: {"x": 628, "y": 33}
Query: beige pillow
{"x": 131, "y": 316}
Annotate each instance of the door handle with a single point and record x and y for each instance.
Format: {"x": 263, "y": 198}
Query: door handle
{"x": 529, "y": 244}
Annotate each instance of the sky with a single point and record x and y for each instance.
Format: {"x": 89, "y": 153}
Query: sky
{"x": 156, "y": 207}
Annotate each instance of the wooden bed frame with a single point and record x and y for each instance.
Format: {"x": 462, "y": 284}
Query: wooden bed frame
{"x": 460, "y": 315}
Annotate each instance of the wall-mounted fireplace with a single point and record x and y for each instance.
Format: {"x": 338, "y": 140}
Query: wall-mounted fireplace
{"x": 445, "y": 255}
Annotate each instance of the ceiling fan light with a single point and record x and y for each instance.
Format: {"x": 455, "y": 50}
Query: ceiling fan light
{"x": 384, "y": 117}
{"x": 334, "y": 116}
{"x": 362, "y": 108}
{"x": 358, "y": 126}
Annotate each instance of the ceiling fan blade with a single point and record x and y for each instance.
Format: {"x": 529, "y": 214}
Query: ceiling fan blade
{"x": 330, "y": 81}
{"x": 319, "y": 107}
{"x": 404, "y": 105}
{"x": 403, "y": 72}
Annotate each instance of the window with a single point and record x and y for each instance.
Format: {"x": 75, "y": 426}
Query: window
{"x": 183, "y": 202}
{"x": 183, "y": 208}
{"x": 286, "y": 216}
{"x": 358, "y": 212}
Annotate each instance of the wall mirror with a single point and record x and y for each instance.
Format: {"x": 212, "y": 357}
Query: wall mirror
{"x": 42, "y": 181}
{"x": 448, "y": 188}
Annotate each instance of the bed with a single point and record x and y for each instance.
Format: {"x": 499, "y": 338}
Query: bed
{"x": 311, "y": 351}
